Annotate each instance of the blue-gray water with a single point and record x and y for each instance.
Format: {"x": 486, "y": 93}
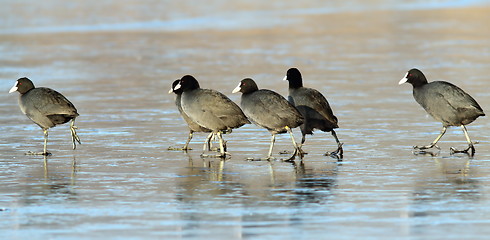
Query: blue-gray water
{"x": 115, "y": 60}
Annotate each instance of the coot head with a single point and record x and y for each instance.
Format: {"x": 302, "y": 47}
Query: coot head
{"x": 414, "y": 77}
{"x": 294, "y": 77}
{"x": 245, "y": 86}
{"x": 22, "y": 85}
{"x": 173, "y": 90}
{"x": 187, "y": 83}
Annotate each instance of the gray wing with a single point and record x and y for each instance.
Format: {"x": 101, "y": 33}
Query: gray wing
{"x": 213, "y": 110}
{"x": 273, "y": 111}
{"x": 50, "y": 102}
{"x": 448, "y": 103}
{"x": 454, "y": 96}
{"x": 224, "y": 108}
{"x": 313, "y": 99}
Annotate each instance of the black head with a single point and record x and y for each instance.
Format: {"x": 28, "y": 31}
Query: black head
{"x": 22, "y": 85}
{"x": 294, "y": 77}
{"x": 247, "y": 85}
{"x": 414, "y": 77}
{"x": 187, "y": 83}
{"x": 173, "y": 90}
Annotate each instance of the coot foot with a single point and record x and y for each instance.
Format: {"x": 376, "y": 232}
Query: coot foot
{"x": 467, "y": 150}
{"x": 297, "y": 152}
{"x": 291, "y": 159}
{"x": 423, "y": 148}
{"x": 432, "y": 145}
{"x": 339, "y": 153}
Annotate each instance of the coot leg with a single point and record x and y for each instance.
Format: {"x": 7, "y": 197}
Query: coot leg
{"x": 224, "y": 143}
{"x": 45, "y": 149}
{"x": 297, "y": 149}
{"x": 470, "y": 144}
{"x": 221, "y": 145}
{"x": 186, "y": 145}
{"x": 207, "y": 143}
{"x": 339, "y": 153}
{"x": 74, "y": 136}
{"x": 433, "y": 144}
{"x": 303, "y": 139}
{"x": 273, "y": 140}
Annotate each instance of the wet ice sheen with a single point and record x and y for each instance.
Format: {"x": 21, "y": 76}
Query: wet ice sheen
{"x": 121, "y": 182}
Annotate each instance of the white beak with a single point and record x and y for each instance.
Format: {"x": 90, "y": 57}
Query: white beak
{"x": 285, "y": 78}
{"x": 237, "y": 89}
{"x": 14, "y": 88}
{"x": 177, "y": 86}
{"x": 404, "y": 80}
{"x": 171, "y": 90}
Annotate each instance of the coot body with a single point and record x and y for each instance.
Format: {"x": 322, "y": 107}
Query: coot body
{"x": 45, "y": 107}
{"x": 210, "y": 108}
{"x": 314, "y": 107}
{"x": 446, "y": 103}
{"x": 269, "y": 110}
{"x": 193, "y": 126}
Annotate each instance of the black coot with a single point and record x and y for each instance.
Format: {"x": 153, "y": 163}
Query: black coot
{"x": 210, "y": 109}
{"x": 193, "y": 126}
{"x": 446, "y": 103}
{"x": 45, "y": 107}
{"x": 314, "y": 107}
{"x": 269, "y": 110}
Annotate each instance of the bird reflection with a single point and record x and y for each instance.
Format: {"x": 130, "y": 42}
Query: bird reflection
{"x": 311, "y": 184}
{"x": 202, "y": 177}
{"x": 49, "y": 186}
{"x": 206, "y": 186}
{"x": 454, "y": 183}
{"x": 437, "y": 153}
{"x": 426, "y": 153}
{"x": 314, "y": 185}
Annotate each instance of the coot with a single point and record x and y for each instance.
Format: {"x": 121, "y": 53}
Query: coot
{"x": 446, "y": 103}
{"x": 314, "y": 107}
{"x": 269, "y": 110}
{"x": 45, "y": 107}
{"x": 210, "y": 109}
{"x": 193, "y": 126}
